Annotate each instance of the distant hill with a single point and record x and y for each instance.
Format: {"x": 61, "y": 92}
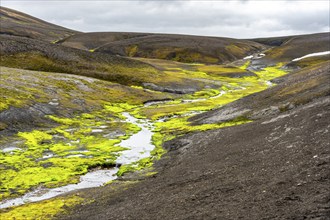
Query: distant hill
{"x": 288, "y": 48}
{"x": 183, "y": 48}
{"x": 20, "y": 24}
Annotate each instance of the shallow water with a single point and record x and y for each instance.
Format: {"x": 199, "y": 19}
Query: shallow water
{"x": 10, "y": 149}
{"x": 89, "y": 180}
{"x": 139, "y": 145}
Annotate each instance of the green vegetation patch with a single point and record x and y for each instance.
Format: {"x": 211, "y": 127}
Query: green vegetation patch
{"x": 21, "y": 88}
{"x": 41, "y": 210}
{"x": 58, "y": 156}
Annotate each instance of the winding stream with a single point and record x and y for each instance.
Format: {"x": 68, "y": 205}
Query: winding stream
{"x": 139, "y": 145}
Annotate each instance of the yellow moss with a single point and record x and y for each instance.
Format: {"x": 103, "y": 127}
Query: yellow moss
{"x": 245, "y": 65}
{"x": 35, "y": 137}
{"x": 131, "y": 50}
{"x": 41, "y": 210}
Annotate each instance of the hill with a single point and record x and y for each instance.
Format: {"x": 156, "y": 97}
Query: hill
{"x": 20, "y": 24}
{"x": 285, "y": 49}
{"x": 182, "y": 48}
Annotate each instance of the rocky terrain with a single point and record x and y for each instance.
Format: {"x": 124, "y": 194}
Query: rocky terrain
{"x": 230, "y": 128}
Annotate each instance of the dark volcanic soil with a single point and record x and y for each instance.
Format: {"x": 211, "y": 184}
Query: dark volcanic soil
{"x": 277, "y": 167}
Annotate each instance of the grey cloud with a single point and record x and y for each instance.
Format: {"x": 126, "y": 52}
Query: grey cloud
{"x": 241, "y": 19}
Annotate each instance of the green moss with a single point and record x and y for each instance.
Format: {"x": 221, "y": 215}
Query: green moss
{"x": 75, "y": 152}
{"x": 245, "y": 65}
{"x": 118, "y": 107}
{"x": 77, "y": 148}
{"x": 3, "y": 126}
{"x": 131, "y": 50}
{"x": 65, "y": 121}
{"x": 41, "y": 210}
{"x": 206, "y": 93}
{"x": 139, "y": 165}
{"x": 34, "y": 138}
{"x": 271, "y": 72}
{"x": 180, "y": 125}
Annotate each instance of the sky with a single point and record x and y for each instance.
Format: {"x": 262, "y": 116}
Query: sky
{"x": 223, "y": 18}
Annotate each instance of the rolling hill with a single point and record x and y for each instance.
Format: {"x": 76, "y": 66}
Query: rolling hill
{"x": 285, "y": 49}
{"x": 20, "y": 24}
{"x": 182, "y": 48}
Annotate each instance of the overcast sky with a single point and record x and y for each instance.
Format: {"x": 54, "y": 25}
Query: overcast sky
{"x": 239, "y": 19}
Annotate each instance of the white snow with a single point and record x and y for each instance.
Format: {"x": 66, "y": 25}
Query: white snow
{"x": 312, "y": 55}
{"x": 248, "y": 57}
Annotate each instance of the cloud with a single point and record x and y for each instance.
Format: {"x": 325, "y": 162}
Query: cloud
{"x": 240, "y": 19}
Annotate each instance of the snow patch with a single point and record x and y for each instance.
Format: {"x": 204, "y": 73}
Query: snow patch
{"x": 312, "y": 55}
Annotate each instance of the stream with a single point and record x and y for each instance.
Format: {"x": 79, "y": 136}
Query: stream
{"x": 139, "y": 145}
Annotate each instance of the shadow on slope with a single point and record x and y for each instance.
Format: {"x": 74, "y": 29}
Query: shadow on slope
{"x": 30, "y": 54}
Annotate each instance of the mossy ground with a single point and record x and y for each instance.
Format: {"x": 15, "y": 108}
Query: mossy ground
{"x": 175, "y": 114}
{"x": 82, "y": 141}
{"x": 41, "y": 210}
{"x": 20, "y": 88}
{"x": 75, "y": 146}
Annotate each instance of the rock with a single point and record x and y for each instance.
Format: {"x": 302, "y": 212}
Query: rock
{"x": 178, "y": 90}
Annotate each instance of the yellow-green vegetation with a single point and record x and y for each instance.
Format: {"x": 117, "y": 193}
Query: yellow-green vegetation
{"x": 123, "y": 71}
{"x": 131, "y": 50}
{"x": 232, "y": 89}
{"x": 20, "y": 88}
{"x": 34, "y": 138}
{"x": 311, "y": 61}
{"x": 58, "y": 156}
{"x": 136, "y": 166}
{"x": 245, "y": 65}
{"x": 180, "y": 125}
{"x": 271, "y": 72}
{"x": 175, "y": 111}
{"x": 41, "y": 210}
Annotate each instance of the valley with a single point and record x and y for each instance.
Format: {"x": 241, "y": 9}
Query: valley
{"x": 95, "y": 123}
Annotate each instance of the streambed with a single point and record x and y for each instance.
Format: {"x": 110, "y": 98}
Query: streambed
{"x": 139, "y": 146}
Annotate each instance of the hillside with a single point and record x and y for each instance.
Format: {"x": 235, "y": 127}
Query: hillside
{"x": 30, "y": 54}
{"x": 280, "y": 160}
{"x": 288, "y": 48}
{"x": 19, "y": 24}
{"x": 182, "y": 48}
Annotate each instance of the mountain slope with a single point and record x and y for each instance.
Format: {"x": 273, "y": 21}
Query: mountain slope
{"x": 288, "y": 48}
{"x": 182, "y": 48}
{"x": 276, "y": 167}
{"x": 20, "y": 24}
